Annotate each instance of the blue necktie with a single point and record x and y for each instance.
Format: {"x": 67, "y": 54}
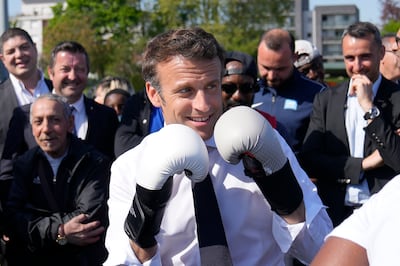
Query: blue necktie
{"x": 73, "y": 109}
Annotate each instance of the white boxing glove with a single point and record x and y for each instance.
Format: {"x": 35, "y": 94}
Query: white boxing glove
{"x": 242, "y": 133}
{"x": 172, "y": 150}
{"x": 244, "y": 130}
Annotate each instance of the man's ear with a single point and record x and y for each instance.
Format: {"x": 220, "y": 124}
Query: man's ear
{"x": 50, "y": 72}
{"x": 295, "y": 56}
{"x": 153, "y": 95}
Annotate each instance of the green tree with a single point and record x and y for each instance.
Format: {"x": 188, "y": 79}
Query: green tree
{"x": 237, "y": 24}
{"x": 115, "y": 31}
{"x": 390, "y": 16}
{"x": 107, "y": 29}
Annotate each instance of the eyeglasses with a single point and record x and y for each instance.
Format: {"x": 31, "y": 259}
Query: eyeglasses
{"x": 396, "y": 53}
{"x": 230, "y": 88}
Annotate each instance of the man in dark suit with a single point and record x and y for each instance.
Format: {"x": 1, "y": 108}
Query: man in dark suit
{"x": 94, "y": 123}
{"x": 351, "y": 147}
{"x": 25, "y": 81}
{"x": 139, "y": 118}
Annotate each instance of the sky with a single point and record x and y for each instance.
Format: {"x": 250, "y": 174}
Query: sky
{"x": 370, "y": 10}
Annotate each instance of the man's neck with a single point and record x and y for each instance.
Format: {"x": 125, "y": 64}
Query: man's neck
{"x": 30, "y": 81}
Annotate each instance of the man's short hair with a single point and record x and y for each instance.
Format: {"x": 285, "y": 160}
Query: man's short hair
{"x": 71, "y": 47}
{"x": 13, "y": 32}
{"x": 190, "y": 43}
{"x": 362, "y": 30}
{"x": 67, "y": 111}
{"x": 275, "y": 38}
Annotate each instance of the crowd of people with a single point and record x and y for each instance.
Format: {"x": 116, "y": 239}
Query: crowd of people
{"x": 222, "y": 159}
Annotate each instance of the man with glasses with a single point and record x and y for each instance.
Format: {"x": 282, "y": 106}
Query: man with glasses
{"x": 390, "y": 64}
{"x": 284, "y": 92}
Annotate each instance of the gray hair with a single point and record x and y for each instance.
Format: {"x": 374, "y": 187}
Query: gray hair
{"x": 67, "y": 112}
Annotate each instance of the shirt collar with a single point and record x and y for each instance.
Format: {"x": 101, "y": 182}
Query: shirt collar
{"x": 19, "y": 85}
{"x": 79, "y": 104}
{"x": 375, "y": 86}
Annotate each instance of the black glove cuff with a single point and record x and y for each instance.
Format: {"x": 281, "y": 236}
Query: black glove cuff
{"x": 281, "y": 188}
{"x": 146, "y": 213}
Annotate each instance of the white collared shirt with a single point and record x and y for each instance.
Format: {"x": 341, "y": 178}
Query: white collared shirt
{"x": 355, "y": 124}
{"x": 23, "y": 95}
{"x": 80, "y": 118}
{"x": 255, "y": 234}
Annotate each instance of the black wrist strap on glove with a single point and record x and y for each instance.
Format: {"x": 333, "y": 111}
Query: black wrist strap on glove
{"x": 280, "y": 188}
{"x": 146, "y": 213}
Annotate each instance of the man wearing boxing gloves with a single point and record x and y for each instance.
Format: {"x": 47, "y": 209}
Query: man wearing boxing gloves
{"x": 208, "y": 189}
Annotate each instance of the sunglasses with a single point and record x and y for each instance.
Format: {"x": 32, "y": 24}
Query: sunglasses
{"x": 244, "y": 88}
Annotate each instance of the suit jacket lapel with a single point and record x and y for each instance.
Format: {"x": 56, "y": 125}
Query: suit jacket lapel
{"x": 338, "y": 111}
{"x": 90, "y": 116}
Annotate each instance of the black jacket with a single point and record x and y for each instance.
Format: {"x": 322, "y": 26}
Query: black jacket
{"x": 326, "y": 152}
{"x": 135, "y": 123}
{"x": 32, "y": 223}
{"x": 8, "y": 102}
{"x": 102, "y": 125}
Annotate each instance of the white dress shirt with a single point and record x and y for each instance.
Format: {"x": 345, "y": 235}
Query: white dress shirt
{"x": 23, "y": 95}
{"x": 355, "y": 124}
{"x": 80, "y": 118}
{"x": 375, "y": 226}
{"x": 255, "y": 234}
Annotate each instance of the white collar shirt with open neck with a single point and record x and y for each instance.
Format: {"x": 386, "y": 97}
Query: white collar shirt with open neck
{"x": 23, "y": 95}
{"x": 80, "y": 118}
{"x": 355, "y": 124}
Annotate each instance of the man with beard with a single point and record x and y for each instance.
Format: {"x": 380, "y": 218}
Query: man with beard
{"x": 284, "y": 92}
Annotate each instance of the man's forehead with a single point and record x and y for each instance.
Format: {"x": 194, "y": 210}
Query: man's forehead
{"x": 41, "y": 104}
{"x": 10, "y": 42}
{"x": 182, "y": 65}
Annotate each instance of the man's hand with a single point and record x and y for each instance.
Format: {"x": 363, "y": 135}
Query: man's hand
{"x": 80, "y": 233}
{"x": 251, "y": 138}
{"x": 361, "y": 87}
{"x": 372, "y": 161}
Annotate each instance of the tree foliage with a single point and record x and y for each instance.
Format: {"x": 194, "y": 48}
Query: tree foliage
{"x": 390, "y": 16}
{"x": 107, "y": 29}
{"x": 115, "y": 31}
{"x": 390, "y": 10}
